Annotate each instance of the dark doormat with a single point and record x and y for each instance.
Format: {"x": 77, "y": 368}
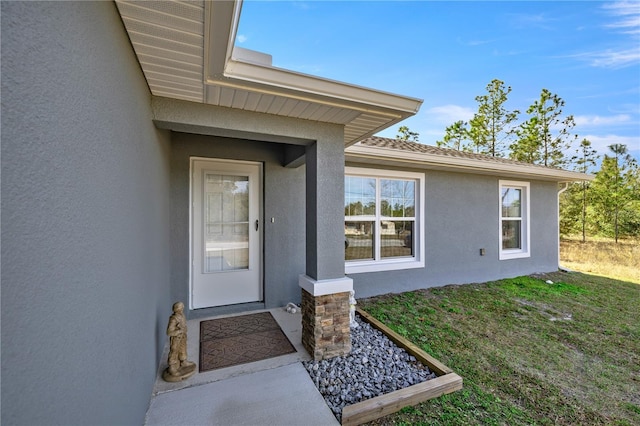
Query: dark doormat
{"x": 237, "y": 340}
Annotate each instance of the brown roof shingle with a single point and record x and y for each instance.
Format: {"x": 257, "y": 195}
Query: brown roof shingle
{"x": 378, "y": 150}
{"x": 377, "y": 141}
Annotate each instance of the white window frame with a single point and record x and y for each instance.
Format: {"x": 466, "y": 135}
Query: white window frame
{"x": 396, "y": 263}
{"x": 525, "y": 228}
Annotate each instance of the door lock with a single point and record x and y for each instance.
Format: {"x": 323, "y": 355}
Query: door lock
{"x": 257, "y": 222}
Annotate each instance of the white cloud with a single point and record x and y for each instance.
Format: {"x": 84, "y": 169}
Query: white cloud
{"x": 611, "y": 58}
{"x": 624, "y": 19}
{"x": 601, "y": 143}
{"x": 627, "y": 108}
{"x": 474, "y": 42}
{"x": 632, "y": 108}
{"x": 623, "y": 7}
{"x": 627, "y": 14}
{"x": 524, "y": 20}
{"x": 241, "y": 38}
{"x": 512, "y": 52}
{"x": 449, "y": 114}
{"x": 597, "y": 120}
{"x": 630, "y": 25}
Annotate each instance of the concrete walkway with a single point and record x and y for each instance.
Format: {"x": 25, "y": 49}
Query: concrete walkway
{"x": 275, "y": 391}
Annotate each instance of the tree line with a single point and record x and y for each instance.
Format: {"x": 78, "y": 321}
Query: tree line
{"x": 608, "y": 206}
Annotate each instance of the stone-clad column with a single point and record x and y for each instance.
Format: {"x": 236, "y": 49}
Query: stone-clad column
{"x": 325, "y": 324}
{"x": 325, "y": 289}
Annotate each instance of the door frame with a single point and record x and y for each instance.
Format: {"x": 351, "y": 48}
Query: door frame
{"x": 192, "y": 160}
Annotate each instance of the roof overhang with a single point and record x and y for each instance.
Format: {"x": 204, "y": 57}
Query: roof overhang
{"x": 187, "y": 51}
{"x": 390, "y": 157}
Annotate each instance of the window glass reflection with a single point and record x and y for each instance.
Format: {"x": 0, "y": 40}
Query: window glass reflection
{"x": 397, "y": 198}
{"x": 511, "y": 202}
{"x": 511, "y": 234}
{"x": 226, "y": 223}
{"x": 359, "y": 196}
{"x": 358, "y": 240}
{"x": 396, "y": 238}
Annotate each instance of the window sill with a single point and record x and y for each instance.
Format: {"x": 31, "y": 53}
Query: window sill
{"x": 506, "y": 255}
{"x": 379, "y": 266}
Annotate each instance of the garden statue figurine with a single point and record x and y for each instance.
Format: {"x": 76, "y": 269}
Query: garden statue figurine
{"x": 352, "y": 310}
{"x": 179, "y": 367}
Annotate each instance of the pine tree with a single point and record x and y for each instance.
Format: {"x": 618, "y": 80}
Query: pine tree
{"x": 477, "y": 135}
{"x": 545, "y": 136}
{"x": 488, "y": 130}
{"x": 527, "y": 146}
{"x": 404, "y": 134}
{"x": 455, "y": 136}
{"x": 585, "y": 159}
{"x": 615, "y": 194}
{"x": 631, "y": 215}
{"x": 571, "y": 209}
{"x": 491, "y": 124}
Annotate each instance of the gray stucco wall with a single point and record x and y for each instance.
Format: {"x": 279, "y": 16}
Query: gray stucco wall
{"x": 284, "y": 200}
{"x": 324, "y": 147}
{"x": 461, "y": 217}
{"x": 85, "y": 219}
{"x": 325, "y": 200}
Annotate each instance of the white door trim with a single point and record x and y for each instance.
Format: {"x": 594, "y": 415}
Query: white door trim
{"x": 226, "y": 165}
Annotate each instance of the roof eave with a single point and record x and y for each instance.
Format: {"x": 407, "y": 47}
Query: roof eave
{"x": 221, "y": 19}
{"x": 222, "y": 69}
{"x": 321, "y": 89}
{"x": 388, "y": 156}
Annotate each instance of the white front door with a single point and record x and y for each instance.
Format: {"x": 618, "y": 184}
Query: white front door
{"x": 225, "y": 232}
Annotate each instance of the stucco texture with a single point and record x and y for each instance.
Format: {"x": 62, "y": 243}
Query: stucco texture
{"x": 85, "y": 219}
{"x": 284, "y": 201}
{"x": 462, "y": 217}
{"x": 323, "y": 145}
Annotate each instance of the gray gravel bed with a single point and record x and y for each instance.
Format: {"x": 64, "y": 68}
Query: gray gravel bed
{"x": 374, "y": 367}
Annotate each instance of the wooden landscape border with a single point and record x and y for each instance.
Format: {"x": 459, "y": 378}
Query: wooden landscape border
{"x": 374, "y": 408}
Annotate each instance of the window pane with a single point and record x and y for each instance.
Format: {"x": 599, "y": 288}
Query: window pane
{"x": 358, "y": 240}
{"x": 511, "y": 234}
{"x": 397, "y": 198}
{"x": 359, "y": 196}
{"x": 226, "y": 216}
{"x": 396, "y": 238}
{"x": 511, "y": 202}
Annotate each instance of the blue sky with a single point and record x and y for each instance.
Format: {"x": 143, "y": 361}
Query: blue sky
{"x": 446, "y": 53}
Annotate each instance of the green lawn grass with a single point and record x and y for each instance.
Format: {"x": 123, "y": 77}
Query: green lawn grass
{"x": 529, "y": 352}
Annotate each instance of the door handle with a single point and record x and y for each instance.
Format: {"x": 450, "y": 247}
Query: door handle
{"x": 257, "y": 222}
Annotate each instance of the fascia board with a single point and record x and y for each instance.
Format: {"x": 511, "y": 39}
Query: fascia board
{"x": 372, "y": 132}
{"x": 221, "y": 69}
{"x": 221, "y": 26}
{"x": 424, "y": 160}
{"x": 396, "y": 105}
